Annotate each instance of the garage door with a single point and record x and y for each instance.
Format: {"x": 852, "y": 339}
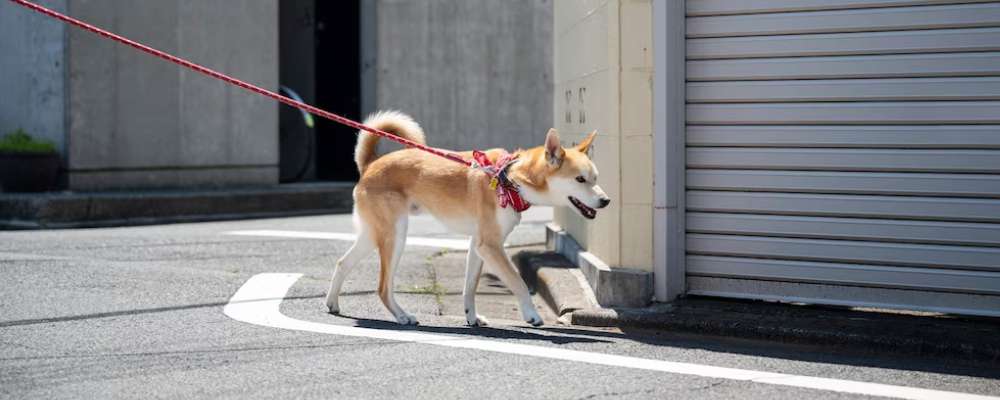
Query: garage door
{"x": 845, "y": 152}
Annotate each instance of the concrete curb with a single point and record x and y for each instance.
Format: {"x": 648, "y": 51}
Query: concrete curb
{"x": 921, "y": 334}
{"x": 84, "y": 210}
{"x": 553, "y": 278}
{"x": 612, "y": 287}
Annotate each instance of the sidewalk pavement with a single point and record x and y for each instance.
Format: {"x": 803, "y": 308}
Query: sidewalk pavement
{"x": 56, "y": 210}
{"x": 848, "y": 329}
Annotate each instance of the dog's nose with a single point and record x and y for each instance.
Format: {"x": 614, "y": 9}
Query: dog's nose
{"x": 604, "y": 203}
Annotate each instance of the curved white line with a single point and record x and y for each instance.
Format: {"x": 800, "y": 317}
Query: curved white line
{"x": 259, "y": 300}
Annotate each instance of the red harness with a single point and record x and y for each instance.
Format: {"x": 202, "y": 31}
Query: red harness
{"x": 508, "y": 191}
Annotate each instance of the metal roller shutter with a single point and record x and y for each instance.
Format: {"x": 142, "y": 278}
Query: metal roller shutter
{"x": 845, "y": 152}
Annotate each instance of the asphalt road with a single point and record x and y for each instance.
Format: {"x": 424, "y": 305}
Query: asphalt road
{"x": 139, "y": 313}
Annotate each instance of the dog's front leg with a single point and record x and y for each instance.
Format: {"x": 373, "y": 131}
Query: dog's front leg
{"x": 497, "y": 257}
{"x": 473, "y": 269}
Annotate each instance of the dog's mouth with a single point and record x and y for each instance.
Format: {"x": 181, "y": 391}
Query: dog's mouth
{"x": 587, "y": 212}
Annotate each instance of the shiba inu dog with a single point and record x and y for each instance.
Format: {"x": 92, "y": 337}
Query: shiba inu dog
{"x": 394, "y": 185}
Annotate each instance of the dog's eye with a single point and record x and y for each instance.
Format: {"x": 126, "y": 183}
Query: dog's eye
{"x": 581, "y": 179}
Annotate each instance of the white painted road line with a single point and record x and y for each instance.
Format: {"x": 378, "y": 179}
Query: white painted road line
{"x": 259, "y": 300}
{"x": 452, "y": 244}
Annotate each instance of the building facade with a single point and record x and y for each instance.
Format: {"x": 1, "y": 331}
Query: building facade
{"x": 474, "y": 73}
{"x": 833, "y": 152}
{"x": 124, "y": 119}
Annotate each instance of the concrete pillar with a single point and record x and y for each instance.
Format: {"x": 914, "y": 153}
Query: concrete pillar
{"x": 604, "y": 75}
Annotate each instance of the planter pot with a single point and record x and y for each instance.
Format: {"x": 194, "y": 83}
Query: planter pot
{"x": 26, "y": 172}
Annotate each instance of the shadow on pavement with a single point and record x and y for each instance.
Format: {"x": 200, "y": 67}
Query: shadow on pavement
{"x": 816, "y": 354}
{"x": 793, "y": 351}
{"x": 109, "y": 314}
{"x": 479, "y": 332}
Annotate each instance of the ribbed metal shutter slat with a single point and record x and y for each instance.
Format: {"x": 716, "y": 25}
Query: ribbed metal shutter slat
{"x": 845, "y": 152}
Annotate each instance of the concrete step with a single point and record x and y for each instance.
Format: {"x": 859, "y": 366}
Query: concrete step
{"x": 55, "y": 210}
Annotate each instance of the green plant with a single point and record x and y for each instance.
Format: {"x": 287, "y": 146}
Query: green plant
{"x": 20, "y": 142}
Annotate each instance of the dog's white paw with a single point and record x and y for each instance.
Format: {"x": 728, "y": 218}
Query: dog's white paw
{"x": 532, "y": 317}
{"x": 333, "y": 306}
{"x": 477, "y": 320}
{"x": 407, "y": 319}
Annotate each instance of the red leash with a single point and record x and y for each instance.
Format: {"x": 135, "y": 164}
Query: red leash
{"x": 217, "y": 75}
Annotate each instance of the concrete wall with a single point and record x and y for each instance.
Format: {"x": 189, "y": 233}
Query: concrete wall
{"x": 32, "y": 72}
{"x": 474, "y": 73}
{"x": 137, "y": 121}
{"x": 603, "y": 80}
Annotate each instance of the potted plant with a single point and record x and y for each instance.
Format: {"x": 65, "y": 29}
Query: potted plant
{"x": 27, "y": 164}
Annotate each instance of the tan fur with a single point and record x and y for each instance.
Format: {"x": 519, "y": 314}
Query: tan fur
{"x": 394, "y": 122}
{"x": 391, "y": 185}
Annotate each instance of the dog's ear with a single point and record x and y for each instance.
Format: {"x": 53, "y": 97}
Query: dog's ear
{"x": 585, "y": 146}
{"x": 553, "y": 149}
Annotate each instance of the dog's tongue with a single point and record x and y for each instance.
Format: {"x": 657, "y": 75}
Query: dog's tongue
{"x": 584, "y": 209}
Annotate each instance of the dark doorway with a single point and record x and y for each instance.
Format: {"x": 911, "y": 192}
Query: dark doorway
{"x": 297, "y": 65}
{"x": 321, "y": 62}
{"x": 338, "y": 86}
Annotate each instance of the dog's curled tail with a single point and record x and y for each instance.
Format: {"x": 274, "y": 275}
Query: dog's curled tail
{"x": 394, "y": 122}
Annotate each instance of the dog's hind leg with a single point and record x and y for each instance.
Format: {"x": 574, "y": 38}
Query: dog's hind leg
{"x": 390, "y": 248}
{"x": 362, "y": 247}
{"x": 473, "y": 269}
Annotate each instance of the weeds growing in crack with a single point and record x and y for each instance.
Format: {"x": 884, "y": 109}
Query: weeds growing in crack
{"x": 434, "y": 288}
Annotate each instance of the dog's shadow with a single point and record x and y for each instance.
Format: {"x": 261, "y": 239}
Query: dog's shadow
{"x": 490, "y": 332}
